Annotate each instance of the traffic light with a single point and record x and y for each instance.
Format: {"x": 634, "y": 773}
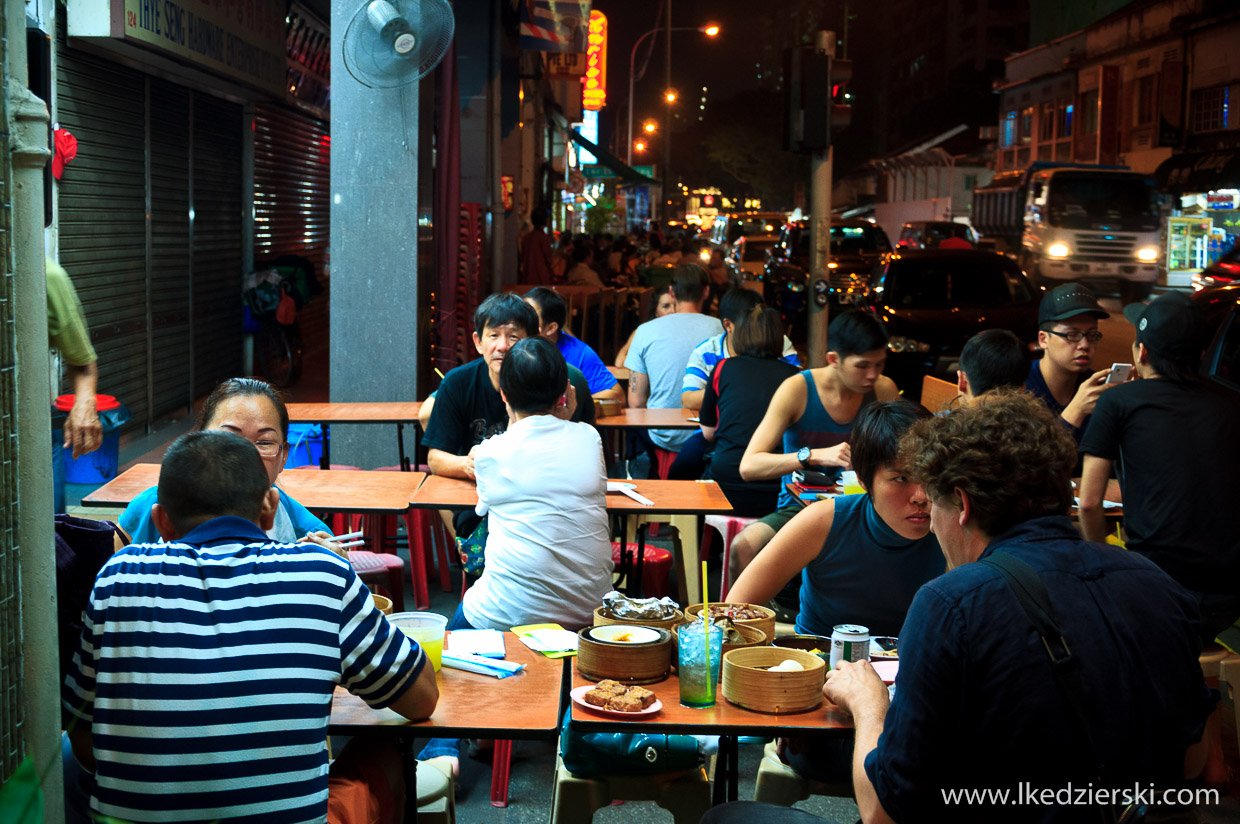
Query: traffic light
{"x": 839, "y": 73}
{"x": 815, "y": 103}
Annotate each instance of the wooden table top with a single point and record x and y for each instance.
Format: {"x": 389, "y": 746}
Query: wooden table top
{"x": 394, "y": 412}
{"x": 336, "y": 491}
{"x": 650, "y": 419}
{"x": 675, "y": 497}
{"x": 525, "y": 705}
{"x": 724, "y": 718}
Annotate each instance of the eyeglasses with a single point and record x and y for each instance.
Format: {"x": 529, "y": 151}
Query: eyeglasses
{"x": 1075, "y": 335}
{"x": 269, "y": 449}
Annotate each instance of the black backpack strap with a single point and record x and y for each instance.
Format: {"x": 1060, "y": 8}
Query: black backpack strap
{"x": 1031, "y": 594}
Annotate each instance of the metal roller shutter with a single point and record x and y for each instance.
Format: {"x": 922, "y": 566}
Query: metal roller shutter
{"x": 102, "y": 208}
{"x": 292, "y": 201}
{"x": 216, "y": 198}
{"x": 170, "y": 258}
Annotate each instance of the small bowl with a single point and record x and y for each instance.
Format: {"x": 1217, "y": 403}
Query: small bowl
{"x": 809, "y": 643}
{"x": 383, "y": 604}
{"x": 624, "y": 634}
{"x": 766, "y": 623}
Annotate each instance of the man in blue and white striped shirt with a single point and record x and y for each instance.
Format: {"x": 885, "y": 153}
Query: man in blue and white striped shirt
{"x": 204, "y": 680}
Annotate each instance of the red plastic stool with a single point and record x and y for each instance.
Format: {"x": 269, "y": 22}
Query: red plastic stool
{"x": 663, "y": 461}
{"x": 656, "y": 569}
{"x": 372, "y": 566}
{"x": 421, "y": 526}
{"x": 728, "y": 527}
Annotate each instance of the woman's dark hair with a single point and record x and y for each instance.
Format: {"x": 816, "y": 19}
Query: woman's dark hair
{"x": 876, "y": 434}
{"x": 1007, "y": 451}
{"x": 533, "y": 376}
{"x": 243, "y": 388}
{"x": 992, "y": 359}
{"x": 760, "y": 334}
{"x": 550, "y": 305}
{"x": 854, "y": 333}
{"x": 503, "y": 308}
{"x": 582, "y": 253}
{"x": 208, "y": 474}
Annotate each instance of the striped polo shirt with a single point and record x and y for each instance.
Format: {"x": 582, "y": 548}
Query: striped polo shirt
{"x": 206, "y": 672}
{"x": 707, "y": 354}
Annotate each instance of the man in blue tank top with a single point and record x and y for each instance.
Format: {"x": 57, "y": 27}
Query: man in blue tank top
{"x": 808, "y": 423}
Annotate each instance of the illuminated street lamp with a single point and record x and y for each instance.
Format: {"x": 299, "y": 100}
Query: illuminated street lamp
{"x": 670, "y": 95}
{"x": 639, "y": 145}
{"x": 710, "y": 30}
{"x": 650, "y": 127}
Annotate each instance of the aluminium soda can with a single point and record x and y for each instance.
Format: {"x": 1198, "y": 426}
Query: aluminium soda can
{"x": 850, "y": 642}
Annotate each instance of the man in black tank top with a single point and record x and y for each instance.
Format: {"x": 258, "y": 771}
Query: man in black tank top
{"x": 852, "y": 378}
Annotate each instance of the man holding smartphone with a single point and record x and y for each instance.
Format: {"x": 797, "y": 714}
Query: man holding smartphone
{"x": 1064, "y": 378}
{"x": 1173, "y": 440}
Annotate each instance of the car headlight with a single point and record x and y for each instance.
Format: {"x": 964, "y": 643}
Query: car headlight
{"x": 1148, "y": 254}
{"x": 899, "y": 343}
{"x": 1058, "y": 250}
{"x": 705, "y": 254}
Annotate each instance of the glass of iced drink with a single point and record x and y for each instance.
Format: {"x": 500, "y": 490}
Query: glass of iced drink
{"x": 699, "y": 672}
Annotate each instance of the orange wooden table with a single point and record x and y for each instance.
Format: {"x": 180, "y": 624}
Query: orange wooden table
{"x": 397, "y": 412}
{"x": 724, "y": 719}
{"x": 649, "y": 419}
{"x": 528, "y": 705}
{"x": 700, "y": 498}
{"x": 371, "y": 493}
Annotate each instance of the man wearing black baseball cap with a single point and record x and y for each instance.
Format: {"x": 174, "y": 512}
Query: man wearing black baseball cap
{"x": 1063, "y": 378}
{"x": 1174, "y": 437}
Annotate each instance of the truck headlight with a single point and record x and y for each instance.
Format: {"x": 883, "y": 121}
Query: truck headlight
{"x": 1058, "y": 250}
{"x": 1148, "y": 254}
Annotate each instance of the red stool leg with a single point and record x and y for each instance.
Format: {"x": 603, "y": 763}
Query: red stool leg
{"x": 442, "y": 541}
{"x": 417, "y": 560}
{"x": 501, "y": 765}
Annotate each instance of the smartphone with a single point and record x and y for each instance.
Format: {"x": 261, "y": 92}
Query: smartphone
{"x": 1119, "y": 372}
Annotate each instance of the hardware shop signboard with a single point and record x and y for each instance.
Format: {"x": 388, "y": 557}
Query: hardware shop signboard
{"x": 242, "y": 39}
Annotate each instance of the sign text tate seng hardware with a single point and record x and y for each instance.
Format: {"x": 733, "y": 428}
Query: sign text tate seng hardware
{"x": 243, "y": 39}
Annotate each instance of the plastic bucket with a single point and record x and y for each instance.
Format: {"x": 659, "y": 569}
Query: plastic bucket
{"x": 305, "y": 445}
{"x": 101, "y": 465}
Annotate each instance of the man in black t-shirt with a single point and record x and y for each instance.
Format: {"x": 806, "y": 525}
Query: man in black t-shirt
{"x": 468, "y": 408}
{"x": 1173, "y": 436}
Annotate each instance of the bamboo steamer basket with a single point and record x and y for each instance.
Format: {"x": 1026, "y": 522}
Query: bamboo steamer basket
{"x": 753, "y": 636}
{"x": 766, "y": 623}
{"x": 383, "y": 603}
{"x": 602, "y": 619}
{"x": 765, "y": 691}
{"x": 628, "y": 663}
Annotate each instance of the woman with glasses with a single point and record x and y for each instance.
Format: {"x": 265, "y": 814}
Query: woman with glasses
{"x": 252, "y": 409}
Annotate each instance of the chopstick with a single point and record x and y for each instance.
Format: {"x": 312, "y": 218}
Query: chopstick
{"x": 641, "y": 499}
{"x": 348, "y": 536}
{"x": 348, "y": 544}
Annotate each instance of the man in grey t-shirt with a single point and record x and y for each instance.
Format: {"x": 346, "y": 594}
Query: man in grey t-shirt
{"x": 661, "y": 349}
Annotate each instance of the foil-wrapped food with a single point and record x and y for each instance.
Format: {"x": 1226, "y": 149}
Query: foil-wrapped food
{"x": 620, "y": 606}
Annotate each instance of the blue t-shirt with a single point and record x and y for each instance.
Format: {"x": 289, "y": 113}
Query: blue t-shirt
{"x": 976, "y": 704}
{"x": 580, "y": 355}
{"x": 293, "y": 521}
{"x": 206, "y": 671}
{"x": 865, "y": 572}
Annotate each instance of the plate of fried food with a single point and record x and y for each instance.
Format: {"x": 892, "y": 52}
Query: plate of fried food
{"x": 616, "y": 699}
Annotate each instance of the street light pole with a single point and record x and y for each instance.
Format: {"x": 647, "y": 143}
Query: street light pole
{"x": 709, "y": 31}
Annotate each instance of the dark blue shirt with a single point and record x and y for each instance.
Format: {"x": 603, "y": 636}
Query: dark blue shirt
{"x": 1035, "y": 385}
{"x": 866, "y": 573}
{"x": 976, "y": 704}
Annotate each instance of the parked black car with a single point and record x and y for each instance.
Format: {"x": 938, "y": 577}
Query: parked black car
{"x": 934, "y": 300}
{"x": 1221, "y": 304}
{"x": 857, "y": 247}
{"x": 1223, "y": 271}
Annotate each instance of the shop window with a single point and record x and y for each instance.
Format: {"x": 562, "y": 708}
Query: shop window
{"x": 1089, "y": 112}
{"x": 1046, "y": 123}
{"x": 1147, "y": 102}
{"x": 1211, "y": 109}
{"x": 1063, "y": 112}
{"x": 1009, "y": 129}
{"x": 1025, "y": 128}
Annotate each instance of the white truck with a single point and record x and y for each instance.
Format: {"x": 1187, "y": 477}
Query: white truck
{"x": 1066, "y": 221}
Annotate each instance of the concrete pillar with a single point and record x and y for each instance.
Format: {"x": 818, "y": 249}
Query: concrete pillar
{"x": 374, "y": 304}
{"x": 27, "y": 127}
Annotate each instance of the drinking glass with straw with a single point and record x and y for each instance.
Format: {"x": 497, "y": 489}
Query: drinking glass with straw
{"x": 706, "y": 632}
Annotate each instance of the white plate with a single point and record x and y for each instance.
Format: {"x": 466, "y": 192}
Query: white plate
{"x": 636, "y": 635}
{"x": 578, "y": 699}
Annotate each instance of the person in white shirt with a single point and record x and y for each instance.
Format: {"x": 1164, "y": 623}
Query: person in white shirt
{"x": 543, "y": 485}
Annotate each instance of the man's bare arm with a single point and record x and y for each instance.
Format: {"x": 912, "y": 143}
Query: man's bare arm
{"x": 613, "y": 394}
{"x": 1093, "y": 488}
{"x": 419, "y": 700}
{"x": 449, "y": 465}
{"x": 639, "y": 389}
{"x": 83, "y": 432}
{"x": 692, "y": 399}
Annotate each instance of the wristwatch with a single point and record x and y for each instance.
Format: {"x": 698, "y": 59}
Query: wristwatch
{"x": 803, "y": 456}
